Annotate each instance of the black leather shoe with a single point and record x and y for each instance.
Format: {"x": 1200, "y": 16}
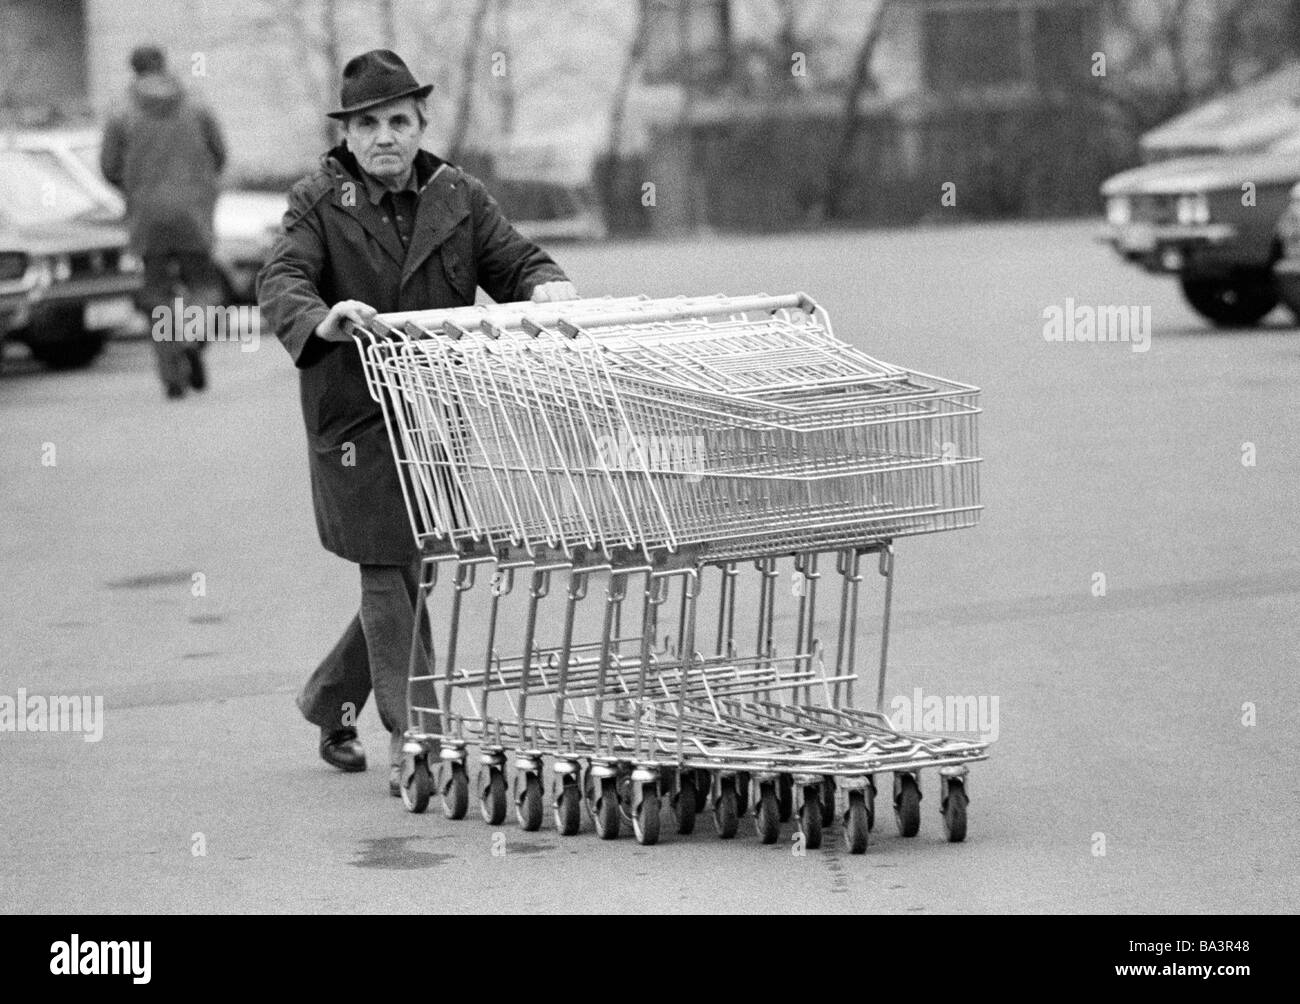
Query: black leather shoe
{"x": 395, "y": 781}
{"x": 342, "y": 749}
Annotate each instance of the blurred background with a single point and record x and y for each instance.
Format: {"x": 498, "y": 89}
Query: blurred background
{"x": 936, "y": 174}
{"x": 675, "y": 119}
{"x": 750, "y": 114}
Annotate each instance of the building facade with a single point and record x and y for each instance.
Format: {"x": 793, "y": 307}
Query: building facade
{"x": 737, "y": 106}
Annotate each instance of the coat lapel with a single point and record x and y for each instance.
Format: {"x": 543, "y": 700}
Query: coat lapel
{"x": 439, "y": 213}
{"x": 369, "y": 217}
{"x": 355, "y": 203}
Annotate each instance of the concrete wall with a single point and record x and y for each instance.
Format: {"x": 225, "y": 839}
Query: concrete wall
{"x": 42, "y": 60}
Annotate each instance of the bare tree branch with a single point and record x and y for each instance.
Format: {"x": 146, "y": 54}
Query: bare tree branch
{"x": 506, "y": 83}
{"x": 312, "y": 74}
{"x": 863, "y": 82}
{"x": 11, "y": 63}
{"x": 1229, "y": 35}
{"x": 388, "y": 22}
{"x": 1175, "y": 18}
{"x": 465, "y": 101}
{"x": 330, "y": 50}
{"x": 626, "y": 76}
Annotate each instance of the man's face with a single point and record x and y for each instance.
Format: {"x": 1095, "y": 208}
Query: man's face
{"x": 386, "y": 138}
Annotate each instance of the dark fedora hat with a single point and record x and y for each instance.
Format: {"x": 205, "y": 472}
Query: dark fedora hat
{"x": 375, "y": 77}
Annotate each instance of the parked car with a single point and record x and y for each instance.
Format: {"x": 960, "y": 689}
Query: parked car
{"x": 1187, "y": 218}
{"x": 66, "y": 277}
{"x": 1206, "y": 208}
{"x": 246, "y": 224}
{"x": 1286, "y": 270}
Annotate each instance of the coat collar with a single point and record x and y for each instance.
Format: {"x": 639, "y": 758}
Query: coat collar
{"x": 375, "y": 189}
{"x": 437, "y": 216}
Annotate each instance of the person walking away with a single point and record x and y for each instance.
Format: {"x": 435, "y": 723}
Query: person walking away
{"x": 165, "y": 153}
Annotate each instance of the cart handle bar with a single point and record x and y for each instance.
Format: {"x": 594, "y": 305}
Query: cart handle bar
{"x": 558, "y": 313}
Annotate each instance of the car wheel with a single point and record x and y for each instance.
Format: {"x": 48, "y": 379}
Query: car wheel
{"x": 63, "y": 343}
{"x": 75, "y": 353}
{"x": 1237, "y": 302}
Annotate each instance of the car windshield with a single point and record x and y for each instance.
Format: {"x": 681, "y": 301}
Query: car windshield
{"x": 36, "y": 189}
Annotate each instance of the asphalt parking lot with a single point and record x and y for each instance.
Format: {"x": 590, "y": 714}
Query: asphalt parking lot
{"x": 1147, "y": 732}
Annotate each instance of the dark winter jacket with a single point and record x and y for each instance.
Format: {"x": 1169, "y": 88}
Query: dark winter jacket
{"x": 337, "y": 245}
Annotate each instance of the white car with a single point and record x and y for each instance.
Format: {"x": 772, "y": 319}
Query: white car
{"x": 246, "y": 223}
{"x": 67, "y": 281}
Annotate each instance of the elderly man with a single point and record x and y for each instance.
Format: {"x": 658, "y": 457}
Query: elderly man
{"x": 381, "y": 226}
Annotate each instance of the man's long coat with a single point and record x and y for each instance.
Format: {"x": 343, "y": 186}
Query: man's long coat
{"x": 337, "y": 246}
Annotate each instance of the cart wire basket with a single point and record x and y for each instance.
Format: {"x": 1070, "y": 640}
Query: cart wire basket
{"x": 647, "y": 523}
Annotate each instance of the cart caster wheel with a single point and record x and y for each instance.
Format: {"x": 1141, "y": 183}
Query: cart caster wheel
{"x": 954, "y": 812}
{"x": 684, "y": 805}
{"x": 828, "y": 802}
{"x": 606, "y": 810}
{"x": 811, "y": 814}
{"x": 907, "y": 807}
{"x": 455, "y": 796}
{"x": 855, "y": 824}
{"x": 785, "y": 797}
{"x": 493, "y": 800}
{"x": 703, "y": 783}
{"x": 417, "y": 784}
{"x": 871, "y": 806}
{"x": 767, "y": 816}
{"x": 568, "y": 812}
{"x": 742, "y": 792}
{"x": 528, "y": 810}
{"x": 726, "y": 814}
{"x": 645, "y": 821}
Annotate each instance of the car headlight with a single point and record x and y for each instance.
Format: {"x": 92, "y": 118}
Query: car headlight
{"x": 1193, "y": 210}
{"x": 1288, "y": 231}
{"x": 40, "y": 274}
{"x": 1118, "y": 210}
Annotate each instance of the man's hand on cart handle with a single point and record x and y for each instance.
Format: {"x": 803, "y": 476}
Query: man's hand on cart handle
{"x": 331, "y": 329}
{"x": 550, "y": 292}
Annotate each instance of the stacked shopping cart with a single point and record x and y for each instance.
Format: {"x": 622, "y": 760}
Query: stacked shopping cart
{"x": 633, "y": 511}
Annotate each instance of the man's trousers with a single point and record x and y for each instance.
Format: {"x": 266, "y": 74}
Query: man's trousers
{"x": 374, "y": 653}
{"x": 191, "y": 277}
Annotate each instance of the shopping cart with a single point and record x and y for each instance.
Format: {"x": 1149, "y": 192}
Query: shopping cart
{"x": 620, "y": 477}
